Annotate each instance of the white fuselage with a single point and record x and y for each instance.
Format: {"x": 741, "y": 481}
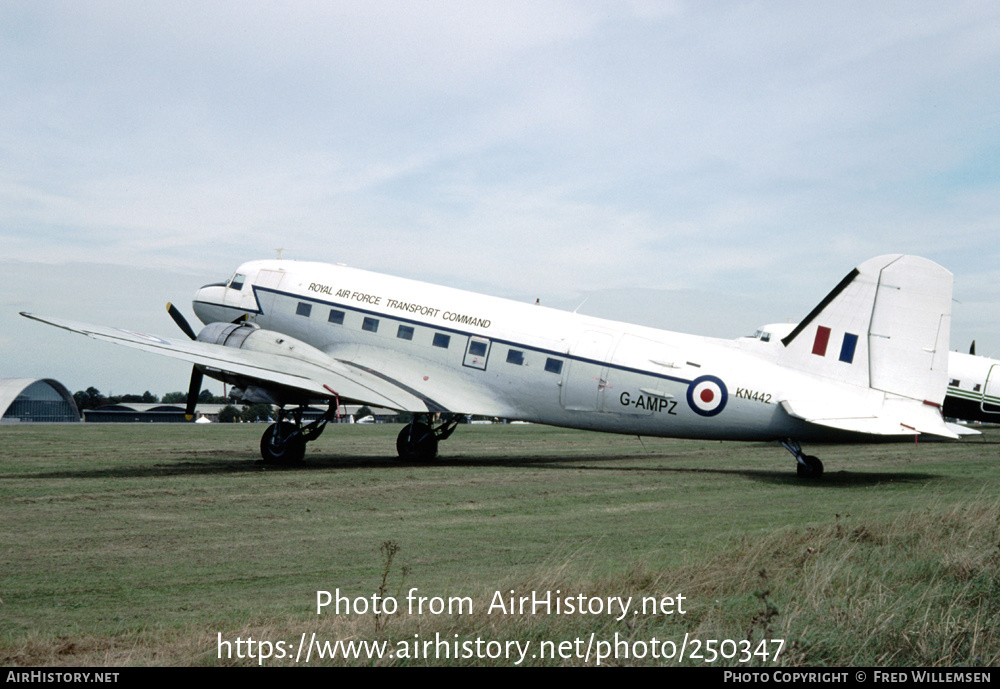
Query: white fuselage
{"x": 467, "y": 353}
{"x": 973, "y": 387}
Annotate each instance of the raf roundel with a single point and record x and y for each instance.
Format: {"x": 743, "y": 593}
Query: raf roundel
{"x": 707, "y": 395}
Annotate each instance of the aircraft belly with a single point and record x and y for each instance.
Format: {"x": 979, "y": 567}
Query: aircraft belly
{"x": 768, "y": 422}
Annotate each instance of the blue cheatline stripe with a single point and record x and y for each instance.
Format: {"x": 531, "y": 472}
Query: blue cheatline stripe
{"x": 442, "y": 328}
{"x": 847, "y": 349}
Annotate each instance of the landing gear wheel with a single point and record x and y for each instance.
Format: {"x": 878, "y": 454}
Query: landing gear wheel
{"x": 806, "y": 466}
{"x": 810, "y": 467}
{"x": 417, "y": 442}
{"x": 282, "y": 443}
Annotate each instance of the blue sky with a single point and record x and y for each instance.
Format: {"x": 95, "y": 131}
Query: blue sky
{"x": 747, "y": 154}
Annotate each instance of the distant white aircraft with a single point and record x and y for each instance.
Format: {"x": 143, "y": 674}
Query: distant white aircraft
{"x": 870, "y": 360}
{"x": 973, "y": 388}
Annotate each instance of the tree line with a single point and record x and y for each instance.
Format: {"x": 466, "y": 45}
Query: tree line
{"x": 92, "y": 398}
{"x": 233, "y": 412}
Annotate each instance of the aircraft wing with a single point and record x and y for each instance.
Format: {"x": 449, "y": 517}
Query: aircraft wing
{"x": 324, "y": 378}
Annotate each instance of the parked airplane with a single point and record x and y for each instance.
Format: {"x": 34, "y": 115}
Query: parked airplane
{"x": 973, "y": 392}
{"x": 973, "y": 388}
{"x": 869, "y": 360}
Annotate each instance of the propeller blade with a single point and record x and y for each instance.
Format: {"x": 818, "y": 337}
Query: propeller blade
{"x": 180, "y": 321}
{"x": 972, "y": 349}
{"x": 193, "y": 391}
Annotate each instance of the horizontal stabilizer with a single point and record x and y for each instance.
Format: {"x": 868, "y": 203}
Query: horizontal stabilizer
{"x": 892, "y": 417}
{"x": 959, "y": 429}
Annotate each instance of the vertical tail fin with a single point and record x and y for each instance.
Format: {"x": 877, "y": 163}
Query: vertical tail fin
{"x": 885, "y": 326}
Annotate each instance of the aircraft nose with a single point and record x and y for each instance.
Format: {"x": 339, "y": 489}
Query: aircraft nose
{"x": 208, "y": 303}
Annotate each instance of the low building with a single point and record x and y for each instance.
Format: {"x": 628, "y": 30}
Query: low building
{"x": 136, "y": 412}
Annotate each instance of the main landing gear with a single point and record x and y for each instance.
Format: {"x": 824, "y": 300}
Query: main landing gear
{"x": 284, "y": 442}
{"x": 418, "y": 441}
{"x": 807, "y": 465}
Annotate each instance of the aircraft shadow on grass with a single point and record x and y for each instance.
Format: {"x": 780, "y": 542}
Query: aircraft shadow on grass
{"x": 235, "y": 463}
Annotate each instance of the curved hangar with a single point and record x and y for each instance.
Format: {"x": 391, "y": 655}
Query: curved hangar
{"x": 36, "y": 400}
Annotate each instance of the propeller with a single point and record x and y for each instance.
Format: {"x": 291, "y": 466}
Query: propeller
{"x": 972, "y": 349}
{"x": 194, "y": 388}
{"x": 181, "y": 321}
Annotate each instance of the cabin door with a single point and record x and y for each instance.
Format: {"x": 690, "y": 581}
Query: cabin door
{"x": 585, "y": 375}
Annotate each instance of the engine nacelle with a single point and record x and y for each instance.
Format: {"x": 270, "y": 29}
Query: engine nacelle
{"x": 252, "y": 337}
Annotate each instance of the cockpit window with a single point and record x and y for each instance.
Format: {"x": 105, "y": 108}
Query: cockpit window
{"x": 237, "y": 282}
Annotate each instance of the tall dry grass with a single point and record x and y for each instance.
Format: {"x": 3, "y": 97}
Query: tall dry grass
{"x": 919, "y": 590}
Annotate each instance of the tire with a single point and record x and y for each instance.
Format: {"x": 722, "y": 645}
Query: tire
{"x": 291, "y": 451}
{"x": 417, "y": 443}
{"x": 812, "y": 469}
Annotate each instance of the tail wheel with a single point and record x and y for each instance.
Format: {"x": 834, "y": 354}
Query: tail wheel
{"x": 807, "y": 466}
{"x": 810, "y": 467}
{"x": 283, "y": 443}
{"x": 417, "y": 442}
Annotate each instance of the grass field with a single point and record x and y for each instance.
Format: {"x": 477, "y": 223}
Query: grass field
{"x": 141, "y": 545}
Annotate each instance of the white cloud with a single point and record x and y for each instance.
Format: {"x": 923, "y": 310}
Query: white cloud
{"x": 516, "y": 147}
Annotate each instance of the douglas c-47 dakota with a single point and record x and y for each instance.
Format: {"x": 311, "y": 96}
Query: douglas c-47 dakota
{"x": 871, "y": 360}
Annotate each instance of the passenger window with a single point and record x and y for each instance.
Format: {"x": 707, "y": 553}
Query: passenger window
{"x": 370, "y": 324}
{"x": 515, "y": 356}
{"x": 336, "y": 317}
{"x": 553, "y": 365}
{"x": 405, "y": 332}
{"x": 303, "y": 309}
{"x": 441, "y": 340}
{"x": 477, "y": 348}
